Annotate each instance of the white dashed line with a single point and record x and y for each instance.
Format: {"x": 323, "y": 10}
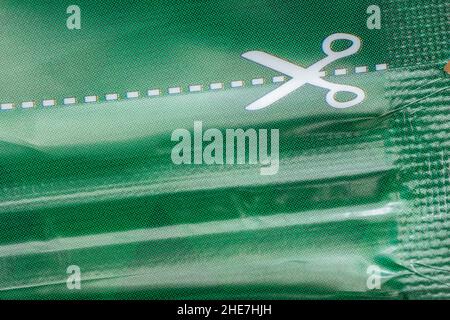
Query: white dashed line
{"x": 153, "y": 92}
{"x": 49, "y": 102}
{"x": 361, "y": 69}
{"x": 380, "y": 67}
{"x": 28, "y": 104}
{"x": 195, "y": 88}
{"x": 6, "y": 106}
{"x": 111, "y": 96}
{"x": 237, "y": 83}
{"x": 90, "y": 99}
{"x": 216, "y": 86}
{"x": 69, "y": 100}
{"x": 191, "y": 88}
{"x": 257, "y": 81}
{"x": 340, "y": 72}
{"x": 174, "y": 90}
{"x": 132, "y": 94}
{"x": 278, "y": 79}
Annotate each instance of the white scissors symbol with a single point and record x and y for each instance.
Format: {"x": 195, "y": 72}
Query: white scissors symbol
{"x": 311, "y": 75}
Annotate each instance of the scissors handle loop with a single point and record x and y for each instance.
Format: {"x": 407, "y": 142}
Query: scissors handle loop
{"x": 335, "y": 55}
{"x": 331, "y": 96}
{"x": 354, "y": 47}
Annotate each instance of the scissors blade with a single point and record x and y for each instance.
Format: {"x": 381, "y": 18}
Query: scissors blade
{"x": 273, "y": 63}
{"x": 276, "y": 94}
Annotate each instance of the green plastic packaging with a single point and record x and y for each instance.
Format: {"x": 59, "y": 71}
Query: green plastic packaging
{"x": 357, "y": 209}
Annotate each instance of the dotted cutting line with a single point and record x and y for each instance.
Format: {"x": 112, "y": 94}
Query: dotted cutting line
{"x": 215, "y": 86}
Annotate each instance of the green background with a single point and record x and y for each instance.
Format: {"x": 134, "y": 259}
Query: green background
{"x": 126, "y": 45}
{"x": 93, "y": 184}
